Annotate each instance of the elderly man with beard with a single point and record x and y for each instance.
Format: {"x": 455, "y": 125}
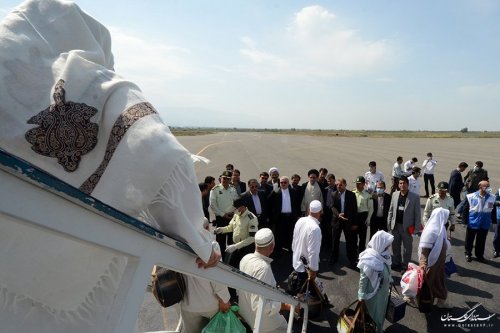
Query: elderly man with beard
{"x": 311, "y": 191}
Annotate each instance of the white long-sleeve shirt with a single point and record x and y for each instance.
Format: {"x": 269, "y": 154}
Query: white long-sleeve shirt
{"x": 203, "y": 295}
{"x": 414, "y": 185}
{"x": 428, "y": 166}
{"x": 259, "y": 267}
{"x": 306, "y": 242}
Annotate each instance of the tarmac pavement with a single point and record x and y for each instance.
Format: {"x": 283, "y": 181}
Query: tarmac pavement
{"x": 475, "y": 286}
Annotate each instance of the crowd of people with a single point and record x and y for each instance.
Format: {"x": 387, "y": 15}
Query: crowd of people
{"x": 255, "y": 220}
{"x": 308, "y": 219}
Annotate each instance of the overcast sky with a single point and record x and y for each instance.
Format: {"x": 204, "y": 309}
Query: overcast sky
{"x": 375, "y": 65}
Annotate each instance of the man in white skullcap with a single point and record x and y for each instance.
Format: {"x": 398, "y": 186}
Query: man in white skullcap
{"x": 258, "y": 265}
{"x": 306, "y": 243}
{"x": 64, "y": 109}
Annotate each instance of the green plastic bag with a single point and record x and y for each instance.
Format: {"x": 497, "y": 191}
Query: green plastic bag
{"x": 225, "y": 323}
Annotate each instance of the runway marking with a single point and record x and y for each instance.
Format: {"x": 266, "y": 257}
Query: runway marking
{"x": 212, "y": 144}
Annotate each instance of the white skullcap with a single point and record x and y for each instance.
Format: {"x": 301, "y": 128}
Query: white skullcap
{"x": 264, "y": 237}
{"x": 273, "y": 169}
{"x": 315, "y": 206}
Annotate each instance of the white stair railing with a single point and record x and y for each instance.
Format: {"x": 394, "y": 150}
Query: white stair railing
{"x": 37, "y": 207}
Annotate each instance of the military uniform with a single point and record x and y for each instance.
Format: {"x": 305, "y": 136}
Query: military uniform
{"x": 221, "y": 199}
{"x": 434, "y": 202}
{"x": 221, "y": 202}
{"x": 363, "y": 217}
{"x": 243, "y": 226}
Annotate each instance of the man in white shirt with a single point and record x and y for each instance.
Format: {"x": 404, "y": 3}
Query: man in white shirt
{"x": 408, "y": 166}
{"x": 413, "y": 183}
{"x": 202, "y": 300}
{"x": 307, "y": 243}
{"x": 428, "y": 166}
{"x": 372, "y": 177}
{"x": 258, "y": 265}
{"x": 397, "y": 173}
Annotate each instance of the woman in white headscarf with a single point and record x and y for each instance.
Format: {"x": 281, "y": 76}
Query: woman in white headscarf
{"x": 65, "y": 110}
{"x": 375, "y": 278}
{"x": 432, "y": 254}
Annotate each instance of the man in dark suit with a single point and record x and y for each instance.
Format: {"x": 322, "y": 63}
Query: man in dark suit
{"x": 326, "y": 219}
{"x": 345, "y": 209}
{"x": 263, "y": 185}
{"x": 456, "y": 182}
{"x": 256, "y": 202}
{"x": 240, "y": 186}
{"x": 381, "y": 204}
{"x": 285, "y": 210}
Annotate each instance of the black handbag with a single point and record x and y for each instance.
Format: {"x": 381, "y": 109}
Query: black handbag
{"x": 168, "y": 287}
{"x": 396, "y": 306}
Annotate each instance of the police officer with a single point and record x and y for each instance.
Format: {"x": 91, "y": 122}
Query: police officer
{"x": 243, "y": 225}
{"x": 222, "y": 197}
{"x": 441, "y": 199}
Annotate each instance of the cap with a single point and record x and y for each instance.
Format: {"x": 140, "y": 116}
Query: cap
{"x": 360, "y": 179}
{"x": 238, "y": 203}
{"x": 315, "y": 206}
{"x": 226, "y": 174}
{"x": 443, "y": 186}
{"x": 264, "y": 237}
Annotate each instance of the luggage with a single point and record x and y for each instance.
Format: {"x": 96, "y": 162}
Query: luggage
{"x": 356, "y": 320}
{"x": 168, "y": 287}
{"x": 396, "y": 306}
{"x": 411, "y": 281}
{"x": 225, "y": 323}
{"x": 450, "y": 267}
{"x": 310, "y": 294}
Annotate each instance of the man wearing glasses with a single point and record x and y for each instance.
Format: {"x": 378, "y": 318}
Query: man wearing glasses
{"x": 284, "y": 213}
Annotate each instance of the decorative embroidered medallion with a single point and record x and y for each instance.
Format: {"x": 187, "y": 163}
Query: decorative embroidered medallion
{"x": 122, "y": 124}
{"x": 65, "y": 130}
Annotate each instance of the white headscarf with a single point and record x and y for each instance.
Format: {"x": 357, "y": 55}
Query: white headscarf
{"x": 434, "y": 235}
{"x": 56, "y": 60}
{"x": 372, "y": 260}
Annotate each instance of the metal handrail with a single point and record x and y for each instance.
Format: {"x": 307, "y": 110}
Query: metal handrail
{"x": 179, "y": 253}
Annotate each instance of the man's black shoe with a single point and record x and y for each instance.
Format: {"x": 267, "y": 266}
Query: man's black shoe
{"x": 481, "y": 259}
{"x": 353, "y": 265}
{"x": 468, "y": 258}
{"x": 496, "y": 254}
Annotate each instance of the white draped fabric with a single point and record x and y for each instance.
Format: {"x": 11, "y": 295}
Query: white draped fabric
{"x": 434, "y": 235}
{"x": 372, "y": 260}
{"x": 65, "y": 110}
